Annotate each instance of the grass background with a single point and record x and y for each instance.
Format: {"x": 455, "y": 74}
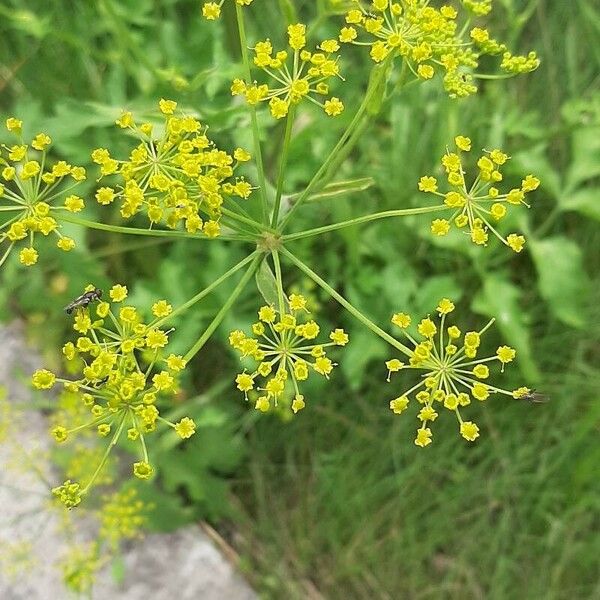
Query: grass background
{"x": 338, "y": 502}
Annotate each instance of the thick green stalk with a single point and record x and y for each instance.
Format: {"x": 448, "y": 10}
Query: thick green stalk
{"x": 253, "y": 118}
{"x": 207, "y": 290}
{"x": 404, "y": 212}
{"x": 225, "y": 308}
{"x": 282, "y": 164}
{"x": 349, "y": 307}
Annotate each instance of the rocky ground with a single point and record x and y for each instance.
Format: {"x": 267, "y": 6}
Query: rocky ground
{"x": 181, "y": 566}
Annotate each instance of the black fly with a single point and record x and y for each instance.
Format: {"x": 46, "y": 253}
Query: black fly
{"x": 83, "y": 300}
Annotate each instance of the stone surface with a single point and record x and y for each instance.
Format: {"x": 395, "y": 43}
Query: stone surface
{"x": 184, "y": 565}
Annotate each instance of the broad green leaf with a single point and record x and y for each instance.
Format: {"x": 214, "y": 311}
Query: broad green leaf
{"x": 501, "y": 299}
{"x": 562, "y": 280}
{"x": 585, "y": 201}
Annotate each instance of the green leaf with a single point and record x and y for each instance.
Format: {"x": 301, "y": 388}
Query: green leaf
{"x": 535, "y": 162}
{"x": 364, "y": 347}
{"x": 433, "y": 290}
{"x": 562, "y": 280}
{"x": 342, "y": 188}
{"x": 585, "y": 157}
{"x": 501, "y": 299}
{"x": 267, "y": 285}
{"x": 585, "y": 201}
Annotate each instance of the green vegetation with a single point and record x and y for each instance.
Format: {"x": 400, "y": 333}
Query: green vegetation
{"x": 338, "y": 502}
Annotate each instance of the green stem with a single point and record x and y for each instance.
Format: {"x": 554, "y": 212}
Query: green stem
{"x": 112, "y": 443}
{"x": 349, "y": 307}
{"x": 253, "y": 118}
{"x": 67, "y": 218}
{"x": 237, "y": 217}
{"x": 279, "y": 279}
{"x": 207, "y": 290}
{"x": 282, "y": 164}
{"x": 356, "y": 121}
{"x": 365, "y": 219}
{"x": 225, "y": 308}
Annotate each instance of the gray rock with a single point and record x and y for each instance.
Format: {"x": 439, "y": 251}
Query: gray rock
{"x": 184, "y": 565}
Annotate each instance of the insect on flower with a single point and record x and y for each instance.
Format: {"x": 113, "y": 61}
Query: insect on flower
{"x": 530, "y": 395}
{"x": 84, "y": 300}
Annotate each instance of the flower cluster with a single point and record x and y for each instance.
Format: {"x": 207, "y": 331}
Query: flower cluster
{"x": 125, "y": 373}
{"x": 281, "y": 346}
{"x": 79, "y": 567}
{"x": 429, "y": 40}
{"x": 482, "y": 202}
{"x": 122, "y": 517}
{"x": 179, "y": 176}
{"x": 451, "y": 372}
{"x": 306, "y": 76}
{"x": 212, "y": 10}
{"x": 31, "y": 187}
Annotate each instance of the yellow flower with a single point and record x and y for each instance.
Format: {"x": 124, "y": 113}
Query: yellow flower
{"x": 185, "y": 428}
{"x": 333, "y": 107}
{"x": 167, "y": 107}
{"x": 469, "y": 430}
{"x": 14, "y": 125}
{"x": 423, "y": 437}
{"x": 156, "y": 338}
{"x": 69, "y": 493}
{"x": 298, "y": 403}
{"x": 451, "y": 374}
{"x": 60, "y": 434}
{"x": 161, "y": 309}
{"x": 399, "y": 405}
{"x": 298, "y": 74}
{"x": 440, "y": 227}
{"x": 118, "y": 293}
{"x": 31, "y": 188}
{"x": 74, "y": 203}
{"x": 142, "y": 470}
{"x": 428, "y": 184}
{"x": 339, "y": 337}
{"x": 28, "y": 256}
{"x": 474, "y": 205}
{"x": 283, "y": 358}
{"x": 66, "y": 243}
{"x": 428, "y": 39}
{"x": 179, "y": 178}
{"x": 120, "y": 378}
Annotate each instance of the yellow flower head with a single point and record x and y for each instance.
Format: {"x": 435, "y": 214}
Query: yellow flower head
{"x": 179, "y": 178}
{"x": 33, "y": 186}
{"x": 296, "y": 74}
{"x": 123, "y": 371}
{"x": 428, "y": 40}
{"x": 478, "y": 207}
{"x": 451, "y": 374}
{"x": 284, "y": 355}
